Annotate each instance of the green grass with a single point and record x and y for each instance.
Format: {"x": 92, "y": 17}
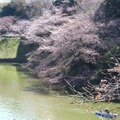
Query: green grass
{"x": 9, "y": 47}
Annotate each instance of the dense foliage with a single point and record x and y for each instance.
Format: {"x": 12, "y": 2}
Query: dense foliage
{"x": 70, "y": 42}
{"x": 113, "y": 8}
{"x": 25, "y": 9}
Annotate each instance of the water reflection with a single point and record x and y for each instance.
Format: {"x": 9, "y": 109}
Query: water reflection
{"x": 19, "y": 101}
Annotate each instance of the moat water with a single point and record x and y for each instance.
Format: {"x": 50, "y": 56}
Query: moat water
{"x": 23, "y": 97}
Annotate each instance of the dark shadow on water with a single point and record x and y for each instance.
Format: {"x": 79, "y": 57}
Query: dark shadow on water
{"x": 38, "y": 89}
{"x": 35, "y": 84}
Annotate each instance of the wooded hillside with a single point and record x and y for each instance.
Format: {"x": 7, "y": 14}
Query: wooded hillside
{"x": 74, "y": 42}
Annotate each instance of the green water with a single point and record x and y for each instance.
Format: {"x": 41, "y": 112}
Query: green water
{"x": 25, "y": 98}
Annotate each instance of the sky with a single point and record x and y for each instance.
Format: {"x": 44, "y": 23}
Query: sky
{"x": 1, "y": 1}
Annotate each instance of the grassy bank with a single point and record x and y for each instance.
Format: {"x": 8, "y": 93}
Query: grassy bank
{"x": 9, "y": 47}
